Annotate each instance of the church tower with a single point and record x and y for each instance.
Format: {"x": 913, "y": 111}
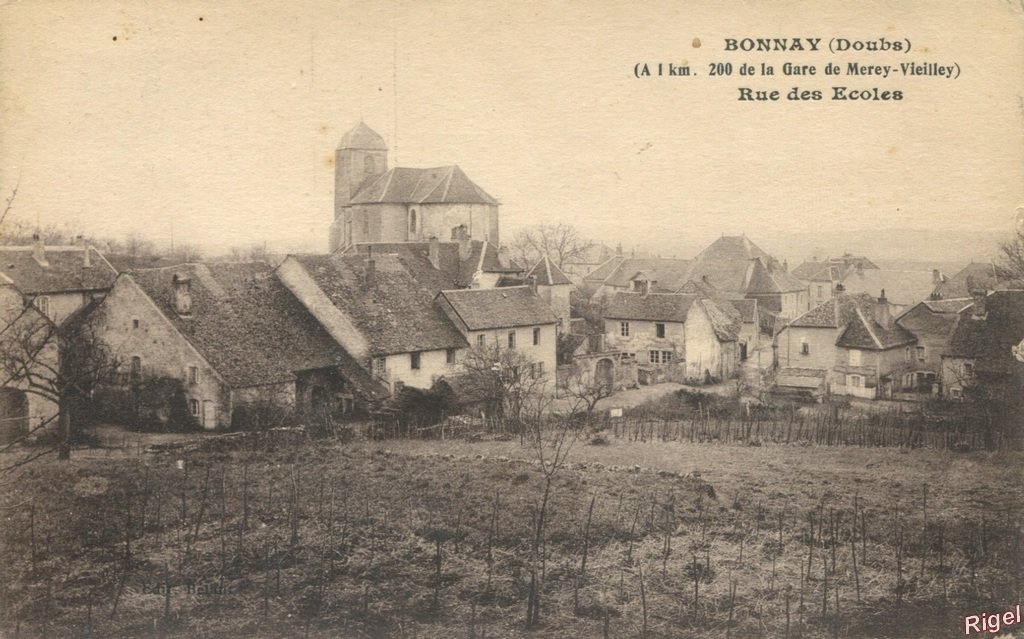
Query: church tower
{"x": 361, "y": 153}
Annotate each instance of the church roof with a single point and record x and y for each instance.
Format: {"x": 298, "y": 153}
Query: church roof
{"x": 362, "y": 137}
{"x": 438, "y": 185}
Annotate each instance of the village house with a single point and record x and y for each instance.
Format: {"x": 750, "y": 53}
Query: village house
{"x": 57, "y": 280}
{"x": 554, "y": 287}
{"x": 621, "y": 274}
{"x": 974, "y": 276}
{"x": 931, "y": 322}
{"x": 29, "y": 350}
{"x": 870, "y": 353}
{"x": 805, "y": 348}
{"x": 982, "y": 347}
{"x": 232, "y": 338}
{"x": 380, "y": 309}
{"x": 674, "y": 337}
{"x": 512, "y": 318}
{"x": 374, "y": 203}
{"x": 775, "y": 289}
{"x": 821, "y": 278}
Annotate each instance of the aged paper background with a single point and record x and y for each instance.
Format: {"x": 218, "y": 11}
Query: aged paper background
{"x": 217, "y": 121}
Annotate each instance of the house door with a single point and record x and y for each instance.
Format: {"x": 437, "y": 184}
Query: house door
{"x": 604, "y": 372}
{"x": 209, "y": 415}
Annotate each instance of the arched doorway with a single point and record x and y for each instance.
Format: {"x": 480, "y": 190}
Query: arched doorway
{"x": 13, "y": 414}
{"x": 604, "y": 372}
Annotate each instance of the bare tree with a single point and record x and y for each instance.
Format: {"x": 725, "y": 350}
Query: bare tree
{"x": 59, "y": 365}
{"x": 1012, "y": 257}
{"x": 562, "y": 243}
{"x": 509, "y": 385}
{"x": 10, "y": 203}
{"x": 584, "y": 390}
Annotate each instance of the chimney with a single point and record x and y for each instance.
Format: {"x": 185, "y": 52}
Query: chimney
{"x": 883, "y": 316}
{"x": 503, "y": 257}
{"x": 181, "y": 294}
{"x": 434, "y": 252}
{"x": 37, "y": 250}
{"x": 937, "y": 277}
{"x": 86, "y": 255}
{"x": 532, "y": 281}
{"x": 979, "y": 311}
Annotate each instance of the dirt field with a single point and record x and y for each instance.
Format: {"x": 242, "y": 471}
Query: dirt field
{"x": 433, "y": 539}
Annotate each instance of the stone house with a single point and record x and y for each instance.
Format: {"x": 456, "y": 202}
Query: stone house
{"x": 674, "y": 336}
{"x": 374, "y": 203}
{"x": 554, "y": 287}
{"x": 932, "y": 322}
{"x": 230, "y": 335}
{"x": 986, "y": 347}
{"x": 26, "y": 339}
{"x": 870, "y": 353}
{"x": 623, "y": 274}
{"x": 513, "y": 318}
{"x": 380, "y": 308}
{"x": 776, "y": 289}
{"x": 820, "y": 278}
{"x": 57, "y": 280}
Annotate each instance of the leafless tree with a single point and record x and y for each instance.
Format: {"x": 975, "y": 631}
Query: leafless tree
{"x": 57, "y": 364}
{"x": 1012, "y": 257}
{"x": 509, "y": 385}
{"x": 10, "y": 203}
{"x": 561, "y": 242}
{"x": 584, "y": 390}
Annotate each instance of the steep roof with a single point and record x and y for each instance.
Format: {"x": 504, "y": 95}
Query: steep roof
{"x": 362, "y": 137}
{"x": 818, "y": 271}
{"x": 654, "y": 307}
{"x": 990, "y": 340}
{"x": 443, "y": 184}
{"x": 64, "y": 269}
{"x": 725, "y": 262}
{"x": 763, "y": 280}
{"x": 248, "y": 325}
{"x": 548, "y": 274}
{"x": 691, "y": 287}
{"x": 396, "y": 312}
{"x": 747, "y": 309}
{"x": 725, "y": 319}
{"x": 481, "y": 309}
{"x": 836, "y": 312}
{"x": 975, "y": 274}
{"x": 901, "y": 287}
{"x": 863, "y": 332}
{"x": 606, "y": 268}
{"x": 934, "y": 318}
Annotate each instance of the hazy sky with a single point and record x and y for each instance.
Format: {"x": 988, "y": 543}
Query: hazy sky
{"x": 221, "y": 118}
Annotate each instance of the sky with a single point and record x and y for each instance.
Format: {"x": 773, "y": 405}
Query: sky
{"x": 217, "y": 122}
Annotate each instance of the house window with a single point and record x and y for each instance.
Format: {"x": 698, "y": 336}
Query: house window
{"x": 666, "y": 357}
{"x": 659, "y": 330}
{"x": 193, "y": 407}
{"x": 449, "y": 356}
{"x": 956, "y": 393}
{"x": 136, "y": 368}
{"x": 624, "y": 329}
{"x": 412, "y": 222}
{"x": 968, "y": 369}
{"x": 481, "y": 340}
{"x": 821, "y": 291}
{"x": 920, "y": 353}
{"x": 511, "y": 339}
{"x": 855, "y": 359}
{"x": 193, "y": 374}
{"x": 536, "y": 336}
{"x": 908, "y": 356}
{"x": 537, "y": 369}
{"x": 805, "y": 348}
{"x": 414, "y": 361}
{"x": 379, "y": 366}
{"x": 135, "y": 323}
{"x": 42, "y": 304}
{"x": 854, "y": 380}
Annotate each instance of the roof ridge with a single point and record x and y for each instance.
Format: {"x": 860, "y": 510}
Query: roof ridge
{"x": 870, "y": 330}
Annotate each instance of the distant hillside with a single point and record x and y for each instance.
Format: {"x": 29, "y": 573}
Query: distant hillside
{"x": 923, "y": 246}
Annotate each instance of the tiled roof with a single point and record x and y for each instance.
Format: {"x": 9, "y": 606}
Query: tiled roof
{"x": 901, "y": 287}
{"x": 667, "y": 273}
{"x": 482, "y": 309}
{"x": 725, "y": 261}
{"x": 948, "y": 305}
{"x": 124, "y": 262}
{"x": 725, "y": 319}
{"x": 747, "y": 308}
{"x": 548, "y": 274}
{"x": 933, "y": 318}
{"x": 811, "y": 271}
{"x": 826, "y": 315}
{"x": 763, "y": 280}
{"x": 396, "y": 313}
{"x": 248, "y": 325}
{"x": 64, "y": 271}
{"x": 604, "y": 271}
{"x": 691, "y": 287}
{"x": 362, "y": 137}
{"x": 990, "y": 340}
{"x": 863, "y": 332}
{"x": 975, "y": 274}
{"x": 654, "y": 307}
{"x": 444, "y": 184}
{"x": 449, "y": 266}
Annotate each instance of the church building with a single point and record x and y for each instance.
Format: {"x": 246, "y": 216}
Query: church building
{"x": 374, "y": 203}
